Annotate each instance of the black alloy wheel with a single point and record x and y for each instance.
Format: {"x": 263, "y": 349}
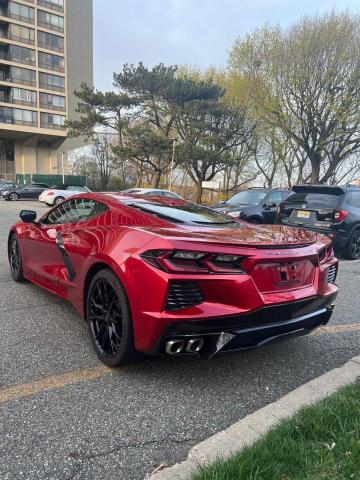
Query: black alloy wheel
{"x": 15, "y": 260}
{"x": 109, "y": 320}
{"x": 352, "y": 250}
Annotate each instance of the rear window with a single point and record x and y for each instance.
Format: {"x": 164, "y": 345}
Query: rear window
{"x": 314, "y": 199}
{"x": 185, "y": 213}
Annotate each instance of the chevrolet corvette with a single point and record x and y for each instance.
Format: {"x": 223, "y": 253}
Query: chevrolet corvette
{"x": 164, "y": 276}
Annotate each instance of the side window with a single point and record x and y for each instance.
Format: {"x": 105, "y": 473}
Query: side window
{"x": 354, "y": 199}
{"x": 77, "y": 210}
{"x": 275, "y": 198}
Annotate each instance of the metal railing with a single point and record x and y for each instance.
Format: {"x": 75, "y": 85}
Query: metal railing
{"x": 47, "y": 86}
{"x": 49, "y": 106}
{"x": 52, "y": 126}
{"x": 11, "y": 58}
{"x": 11, "y": 36}
{"x": 47, "y": 66}
{"x": 50, "y": 47}
{"x": 50, "y": 5}
{"x": 9, "y": 78}
{"x": 49, "y": 26}
{"x": 5, "y": 12}
{"x": 13, "y": 121}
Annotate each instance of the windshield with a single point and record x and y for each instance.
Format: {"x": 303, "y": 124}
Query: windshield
{"x": 186, "y": 213}
{"x": 248, "y": 197}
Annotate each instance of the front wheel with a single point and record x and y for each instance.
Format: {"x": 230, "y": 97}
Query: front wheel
{"x": 58, "y": 200}
{"x": 352, "y": 249}
{"x": 16, "y": 266}
{"x": 109, "y": 320}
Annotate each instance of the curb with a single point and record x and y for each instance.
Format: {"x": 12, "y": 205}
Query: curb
{"x": 251, "y": 428}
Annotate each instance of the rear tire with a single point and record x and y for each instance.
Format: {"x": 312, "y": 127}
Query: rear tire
{"x": 352, "y": 249}
{"x": 109, "y": 320}
{"x": 13, "y": 197}
{"x": 15, "y": 260}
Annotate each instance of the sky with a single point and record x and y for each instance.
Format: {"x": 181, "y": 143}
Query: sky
{"x": 193, "y": 32}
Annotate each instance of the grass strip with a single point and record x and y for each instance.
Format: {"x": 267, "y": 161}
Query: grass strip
{"x": 321, "y": 442}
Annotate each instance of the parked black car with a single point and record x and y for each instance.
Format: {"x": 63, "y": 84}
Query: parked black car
{"x": 334, "y": 211}
{"x": 256, "y": 205}
{"x": 28, "y": 192}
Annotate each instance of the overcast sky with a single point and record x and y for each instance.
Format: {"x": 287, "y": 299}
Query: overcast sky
{"x": 197, "y": 32}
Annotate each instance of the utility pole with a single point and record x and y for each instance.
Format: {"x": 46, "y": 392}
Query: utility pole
{"x": 172, "y": 163}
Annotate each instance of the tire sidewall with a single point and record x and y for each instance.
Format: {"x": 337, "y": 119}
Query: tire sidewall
{"x": 126, "y": 352}
{"x": 348, "y": 249}
{"x": 18, "y": 276}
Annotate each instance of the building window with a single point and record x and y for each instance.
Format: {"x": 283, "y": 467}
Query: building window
{"x": 54, "y": 4}
{"x": 51, "y": 62}
{"x": 16, "y": 116}
{"x": 53, "y": 102}
{"x": 52, "y": 82}
{"x": 49, "y": 120}
{"x": 21, "y": 12}
{"x": 48, "y": 20}
{"x": 22, "y": 34}
{"x": 22, "y": 96}
{"x": 50, "y": 41}
{"x": 21, "y": 55}
{"x": 18, "y": 75}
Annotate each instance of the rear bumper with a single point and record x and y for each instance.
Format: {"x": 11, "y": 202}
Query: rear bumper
{"x": 244, "y": 332}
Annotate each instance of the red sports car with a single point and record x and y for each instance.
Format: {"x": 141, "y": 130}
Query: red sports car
{"x": 166, "y": 276}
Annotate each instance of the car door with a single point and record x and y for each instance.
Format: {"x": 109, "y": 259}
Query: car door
{"x": 57, "y": 249}
{"x": 272, "y": 202}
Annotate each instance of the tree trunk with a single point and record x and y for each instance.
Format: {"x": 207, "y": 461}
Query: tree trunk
{"x": 315, "y": 160}
{"x": 157, "y": 178}
{"x": 199, "y": 191}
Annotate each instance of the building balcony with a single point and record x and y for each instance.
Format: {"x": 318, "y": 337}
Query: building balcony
{"x": 10, "y": 36}
{"x": 54, "y": 68}
{"x": 50, "y": 47}
{"x": 9, "y": 120}
{"x": 10, "y": 58}
{"x": 49, "y": 26}
{"x": 52, "y": 126}
{"x": 51, "y": 5}
{"x": 4, "y": 77}
{"x": 49, "y": 106}
{"x": 5, "y": 12}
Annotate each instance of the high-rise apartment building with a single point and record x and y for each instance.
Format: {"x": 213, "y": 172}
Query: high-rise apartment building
{"x": 46, "y": 52}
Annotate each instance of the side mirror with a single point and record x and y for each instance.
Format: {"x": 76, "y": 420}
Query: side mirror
{"x": 272, "y": 205}
{"x": 28, "y": 216}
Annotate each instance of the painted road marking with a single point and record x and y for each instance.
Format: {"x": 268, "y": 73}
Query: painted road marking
{"x": 350, "y": 327}
{"x": 51, "y": 383}
{"x": 60, "y": 381}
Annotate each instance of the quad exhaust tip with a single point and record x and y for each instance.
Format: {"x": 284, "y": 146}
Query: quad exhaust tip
{"x": 176, "y": 346}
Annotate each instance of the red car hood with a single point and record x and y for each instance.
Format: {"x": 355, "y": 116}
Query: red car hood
{"x": 249, "y": 235}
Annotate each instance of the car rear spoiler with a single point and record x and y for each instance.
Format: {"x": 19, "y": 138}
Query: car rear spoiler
{"x": 327, "y": 190}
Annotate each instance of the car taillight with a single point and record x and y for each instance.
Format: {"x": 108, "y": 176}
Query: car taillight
{"x": 326, "y": 254}
{"x": 50, "y": 194}
{"x": 340, "y": 215}
{"x": 184, "y": 261}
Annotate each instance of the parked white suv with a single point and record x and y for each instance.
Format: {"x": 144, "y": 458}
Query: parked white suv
{"x": 59, "y": 193}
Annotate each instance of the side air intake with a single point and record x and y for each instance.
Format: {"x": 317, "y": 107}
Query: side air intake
{"x": 183, "y": 295}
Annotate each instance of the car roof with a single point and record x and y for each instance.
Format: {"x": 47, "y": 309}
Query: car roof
{"x": 325, "y": 189}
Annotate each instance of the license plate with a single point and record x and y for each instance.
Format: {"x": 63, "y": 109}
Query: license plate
{"x": 303, "y": 214}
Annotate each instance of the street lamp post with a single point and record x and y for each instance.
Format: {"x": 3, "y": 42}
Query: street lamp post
{"x": 63, "y": 167}
{"x": 172, "y": 163}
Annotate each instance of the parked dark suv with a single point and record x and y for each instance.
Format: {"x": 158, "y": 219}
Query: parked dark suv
{"x": 256, "y": 205}
{"x": 334, "y": 211}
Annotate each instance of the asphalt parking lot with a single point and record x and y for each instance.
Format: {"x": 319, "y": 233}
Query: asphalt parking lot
{"x": 64, "y": 416}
